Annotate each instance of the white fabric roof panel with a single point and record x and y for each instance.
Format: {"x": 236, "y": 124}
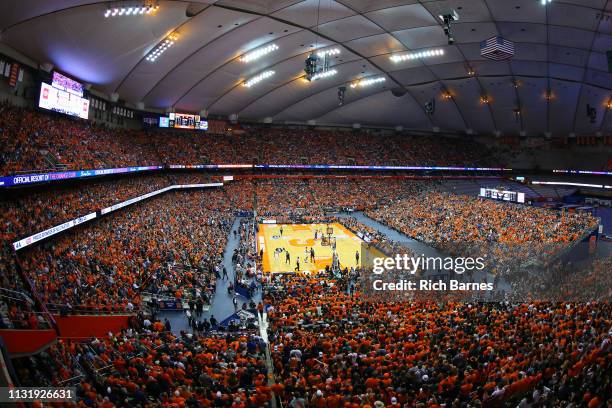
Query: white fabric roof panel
{"x": 562, "y": 44}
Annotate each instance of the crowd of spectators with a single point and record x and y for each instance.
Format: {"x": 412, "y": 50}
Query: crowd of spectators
{"x": 436, "y": 218}
{"x": 151, "y": 248}
{"x": 308, "y": 146}
{"x": 245, "y": 256}
{"x": 334, "y": 349}
{"x": 18, "y": 310}
{"x": 311, "y": 198}
{"x": 330, "y": 346}
{"x": 32, "y": 141}
{"x": 25, "y": 212}
{"x": 168, "y": 245}
{"x": 511, "y": 234}
{"x": 240, "y": 195}
{"x": 35, "y": 141}
{"x": 585, "y": 281}
{"x": 147, "y": 365}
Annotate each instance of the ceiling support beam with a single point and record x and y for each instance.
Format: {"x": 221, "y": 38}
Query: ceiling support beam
{"x": 586, "y": 66}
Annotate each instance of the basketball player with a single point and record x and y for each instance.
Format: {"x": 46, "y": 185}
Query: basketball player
{"x": 356, "y": 257}
{"x": 297, "y": 264}
{"x": 287, "y": 258}
{"x": 312, "y": 255}
{"x": 281, "y": 231}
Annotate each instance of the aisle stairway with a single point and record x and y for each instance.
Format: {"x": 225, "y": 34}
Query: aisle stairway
{"x": 221, "y": 306}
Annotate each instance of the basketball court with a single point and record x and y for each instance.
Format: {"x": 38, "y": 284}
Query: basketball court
{"x": 298, "y": 239}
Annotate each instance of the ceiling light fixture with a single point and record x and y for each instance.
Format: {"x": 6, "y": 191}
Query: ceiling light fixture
{"x": 548, "y": 95}
{"x": 258, "y": 78}
{"x": 366, "y": 82}
{"x": 258, "y": 53}
{"x": 161, "y": 47}
{"x": 330, "y": 52}
{"x": 131, "y": 9}
{"x": 417, "y": 55}
{"x": 324, "y": 74}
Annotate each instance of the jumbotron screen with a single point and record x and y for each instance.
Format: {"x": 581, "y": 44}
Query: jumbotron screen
{"x": 503, "y": 195}
{"x": 62, "y": 101}
{"x": 183, "y": 121}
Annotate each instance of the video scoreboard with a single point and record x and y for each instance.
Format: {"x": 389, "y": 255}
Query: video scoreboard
{"x": 64, "y": 95}
{"x": 502, "y": 195}
{"x": 183, "y": 121}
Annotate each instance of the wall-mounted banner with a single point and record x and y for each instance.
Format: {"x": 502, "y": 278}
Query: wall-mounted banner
{"x": 210, "y": 166}
{"x": 567, "y": 183}
{"x": 52, "y": 231}
{"x": 179, "y": 186}
{"x": 134, "y": 200}
{"x": 23, "y": 179}
{"x": 376, "y": 168}
{"x": 594, "y": 173}
{"x": 329, "y": 166}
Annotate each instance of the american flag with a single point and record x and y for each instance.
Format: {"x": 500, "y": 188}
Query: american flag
{"x": 497, "y": 48}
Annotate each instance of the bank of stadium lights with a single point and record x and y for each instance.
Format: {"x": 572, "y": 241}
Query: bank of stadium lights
{"x": 330, "y": 52}
{"x": 161, "y": 48}
{"x": 417, "y": 55}
{"x": 258, "y": 53}
{"x": 362, "y": 83}
{"x": 324, "y": 74}
{"x": 545, "y": 2}
{"x": 258, "y": 78}
{"x": 132, "y": 10}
